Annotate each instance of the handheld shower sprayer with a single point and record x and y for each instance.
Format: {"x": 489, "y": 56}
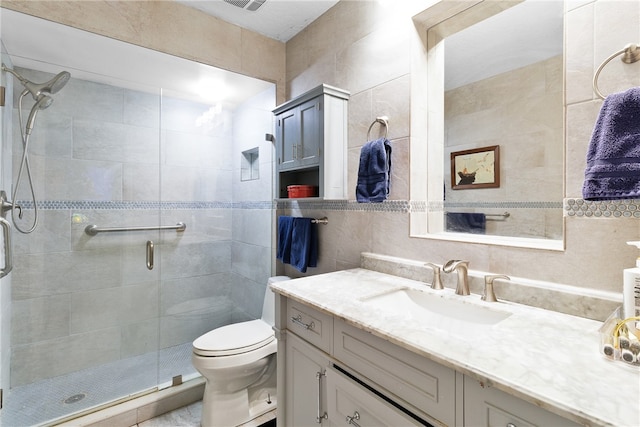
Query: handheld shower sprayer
{"x": 40, "y": 92}
{"x": 44, "y": 101}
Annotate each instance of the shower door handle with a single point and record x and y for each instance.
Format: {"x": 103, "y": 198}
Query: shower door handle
{"x": 150, "y": 254}
{"x": 8, "y": 261}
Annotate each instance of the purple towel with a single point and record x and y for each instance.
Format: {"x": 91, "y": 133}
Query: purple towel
{"x": 374, "y": 171}
{"x": 613, "y": 158}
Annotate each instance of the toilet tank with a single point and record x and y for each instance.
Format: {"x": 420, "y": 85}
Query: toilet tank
{"x": 269, "y": 304}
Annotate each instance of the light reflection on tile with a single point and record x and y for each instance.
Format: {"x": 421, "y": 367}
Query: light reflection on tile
{"x": 189, "y": 416}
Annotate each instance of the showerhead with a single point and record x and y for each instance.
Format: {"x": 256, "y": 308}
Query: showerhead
{"x": 37, "y": 89}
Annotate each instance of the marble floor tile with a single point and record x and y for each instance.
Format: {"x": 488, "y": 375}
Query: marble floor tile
{"x": 189, "y": 416}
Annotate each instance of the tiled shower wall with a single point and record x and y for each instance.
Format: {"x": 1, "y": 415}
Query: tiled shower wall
{"x": 114, "y": 157}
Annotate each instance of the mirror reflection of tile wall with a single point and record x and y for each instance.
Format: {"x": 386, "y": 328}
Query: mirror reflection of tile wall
{"x": 521, "y": 111}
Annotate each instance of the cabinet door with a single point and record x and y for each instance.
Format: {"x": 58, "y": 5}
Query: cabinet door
{"x": 287, "y": 136}
{"x": 305, "y": 371}
{"x": 311, "y": 132}
{"x": 488, "y": 407}
{"x": 351, "y": 404}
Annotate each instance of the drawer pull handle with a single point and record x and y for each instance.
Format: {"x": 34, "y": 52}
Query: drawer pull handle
{"x": 351, "y": 420}
{"x": 324, "y": 416}
{"x": 511, "y": 425}
{"x": 298, "y": 321}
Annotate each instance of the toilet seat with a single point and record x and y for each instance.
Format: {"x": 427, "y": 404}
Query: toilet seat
{"x": 234, "y": 339}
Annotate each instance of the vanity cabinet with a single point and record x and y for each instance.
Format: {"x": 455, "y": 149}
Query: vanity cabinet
{"x": 425, "y": 388}
{"x": 307, "y": 358}
{"x": 306, "y": 384}
{"x": 351, "y": 404}
{"x": 486, "y": 406}
{"x": 336, "y": 374}
{"x": 311, "y": 142}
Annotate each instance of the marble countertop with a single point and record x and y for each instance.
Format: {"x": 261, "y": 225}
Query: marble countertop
{"x": 544, "y": 357}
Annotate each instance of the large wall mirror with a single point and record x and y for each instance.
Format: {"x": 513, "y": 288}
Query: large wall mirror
{"x": 494, "y": 128}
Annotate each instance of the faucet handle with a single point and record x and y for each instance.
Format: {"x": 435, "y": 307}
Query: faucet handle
{"x": 437, "y": 282}
{"x": 489, "y": 295}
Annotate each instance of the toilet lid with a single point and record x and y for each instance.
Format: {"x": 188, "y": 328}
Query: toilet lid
{"x": 234, "y": 339}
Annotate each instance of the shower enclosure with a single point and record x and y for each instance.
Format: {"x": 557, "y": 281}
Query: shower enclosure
{"x": 88, "y": 320}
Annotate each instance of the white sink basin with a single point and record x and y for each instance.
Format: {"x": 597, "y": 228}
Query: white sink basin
{"x": 435, "y": 310}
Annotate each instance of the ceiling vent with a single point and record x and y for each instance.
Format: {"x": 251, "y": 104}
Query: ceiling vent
{"x": 251, "y": 5}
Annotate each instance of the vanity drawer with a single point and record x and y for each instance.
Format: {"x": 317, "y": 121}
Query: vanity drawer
{"x": 427, "y": 387}
{"x": 310, "y": 324}
{"x": 348, "y": 403}
{"x": 488, "y": 407}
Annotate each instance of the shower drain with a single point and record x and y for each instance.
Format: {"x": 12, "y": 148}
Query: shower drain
{"x": 75, "y": 398}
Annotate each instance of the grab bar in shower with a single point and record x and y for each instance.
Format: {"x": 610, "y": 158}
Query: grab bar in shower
{"x": 92, "y": 230}
{"x": 6, "y": 231}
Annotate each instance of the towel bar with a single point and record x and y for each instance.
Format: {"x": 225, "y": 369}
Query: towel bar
{"x": 504, "y": 215}
{"x": 630, "y": 54}
{"x": 501, "y": 216}
{"x": 324, "y": 220}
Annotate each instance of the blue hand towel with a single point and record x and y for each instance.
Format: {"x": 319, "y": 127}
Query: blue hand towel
{"x": 466, "y": 222}
{"x": 374, "y": 171}
{"x": 304, "y": 244}
{"x": 613, "y": 157}
{"x": 285, "y": 227}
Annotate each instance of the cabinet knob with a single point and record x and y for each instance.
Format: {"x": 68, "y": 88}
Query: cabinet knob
{"x": 511, "y": 425}
{"x": 356, "y": 416}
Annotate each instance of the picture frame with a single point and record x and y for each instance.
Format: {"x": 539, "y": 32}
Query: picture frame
{"x": 475, "y": 168}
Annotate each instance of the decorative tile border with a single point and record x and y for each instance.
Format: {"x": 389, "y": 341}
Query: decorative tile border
{"x": 628, "y": 208}
{"x": 442, "y": 206}
{"x": 142, "y": 205}
{"x": 400, "y": 206}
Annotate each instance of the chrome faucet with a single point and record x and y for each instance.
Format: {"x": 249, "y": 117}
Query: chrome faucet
{"x": 462, "y": 288}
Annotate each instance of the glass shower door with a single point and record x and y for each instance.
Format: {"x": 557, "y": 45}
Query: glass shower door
{"x": 84, "y": 308}
{"x": 91, "y": 322}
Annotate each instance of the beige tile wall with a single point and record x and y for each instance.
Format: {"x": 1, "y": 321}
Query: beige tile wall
{"x": 490, "y": 112}
{"x": 172, "y": 28}
{"x": 364, "y": 47}
{"x": 368, "y": 57}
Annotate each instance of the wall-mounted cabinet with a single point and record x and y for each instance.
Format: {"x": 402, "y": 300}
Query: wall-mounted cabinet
{"x": 311, "y": 142}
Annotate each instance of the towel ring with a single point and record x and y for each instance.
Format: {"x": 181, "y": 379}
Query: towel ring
{"x": 383, "y": 120}
{"x": 630, "y": 54}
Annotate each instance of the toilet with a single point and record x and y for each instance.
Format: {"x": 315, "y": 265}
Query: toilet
{"x": 238, "y": 362}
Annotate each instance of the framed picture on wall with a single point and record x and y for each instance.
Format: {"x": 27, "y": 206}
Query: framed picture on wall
{"x": 476, "y": 168}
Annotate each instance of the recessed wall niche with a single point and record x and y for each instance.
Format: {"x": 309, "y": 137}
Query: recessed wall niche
{"x": 250, "y": 164}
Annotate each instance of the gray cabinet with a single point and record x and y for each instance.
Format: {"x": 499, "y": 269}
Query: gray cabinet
{"x": 299, "y": 134}
{"x": 306, "y": 384}
{"x": 350, "y": 404}
{"x": 311, "y": 142}
{"x": 485, "y": 406}
{"x": 336, "y": 374}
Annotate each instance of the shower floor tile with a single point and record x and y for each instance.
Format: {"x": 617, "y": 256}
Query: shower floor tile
{"x": 55, "y": 398}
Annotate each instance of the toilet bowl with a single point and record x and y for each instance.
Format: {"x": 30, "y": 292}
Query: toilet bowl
{"x": 238, "y": 362}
